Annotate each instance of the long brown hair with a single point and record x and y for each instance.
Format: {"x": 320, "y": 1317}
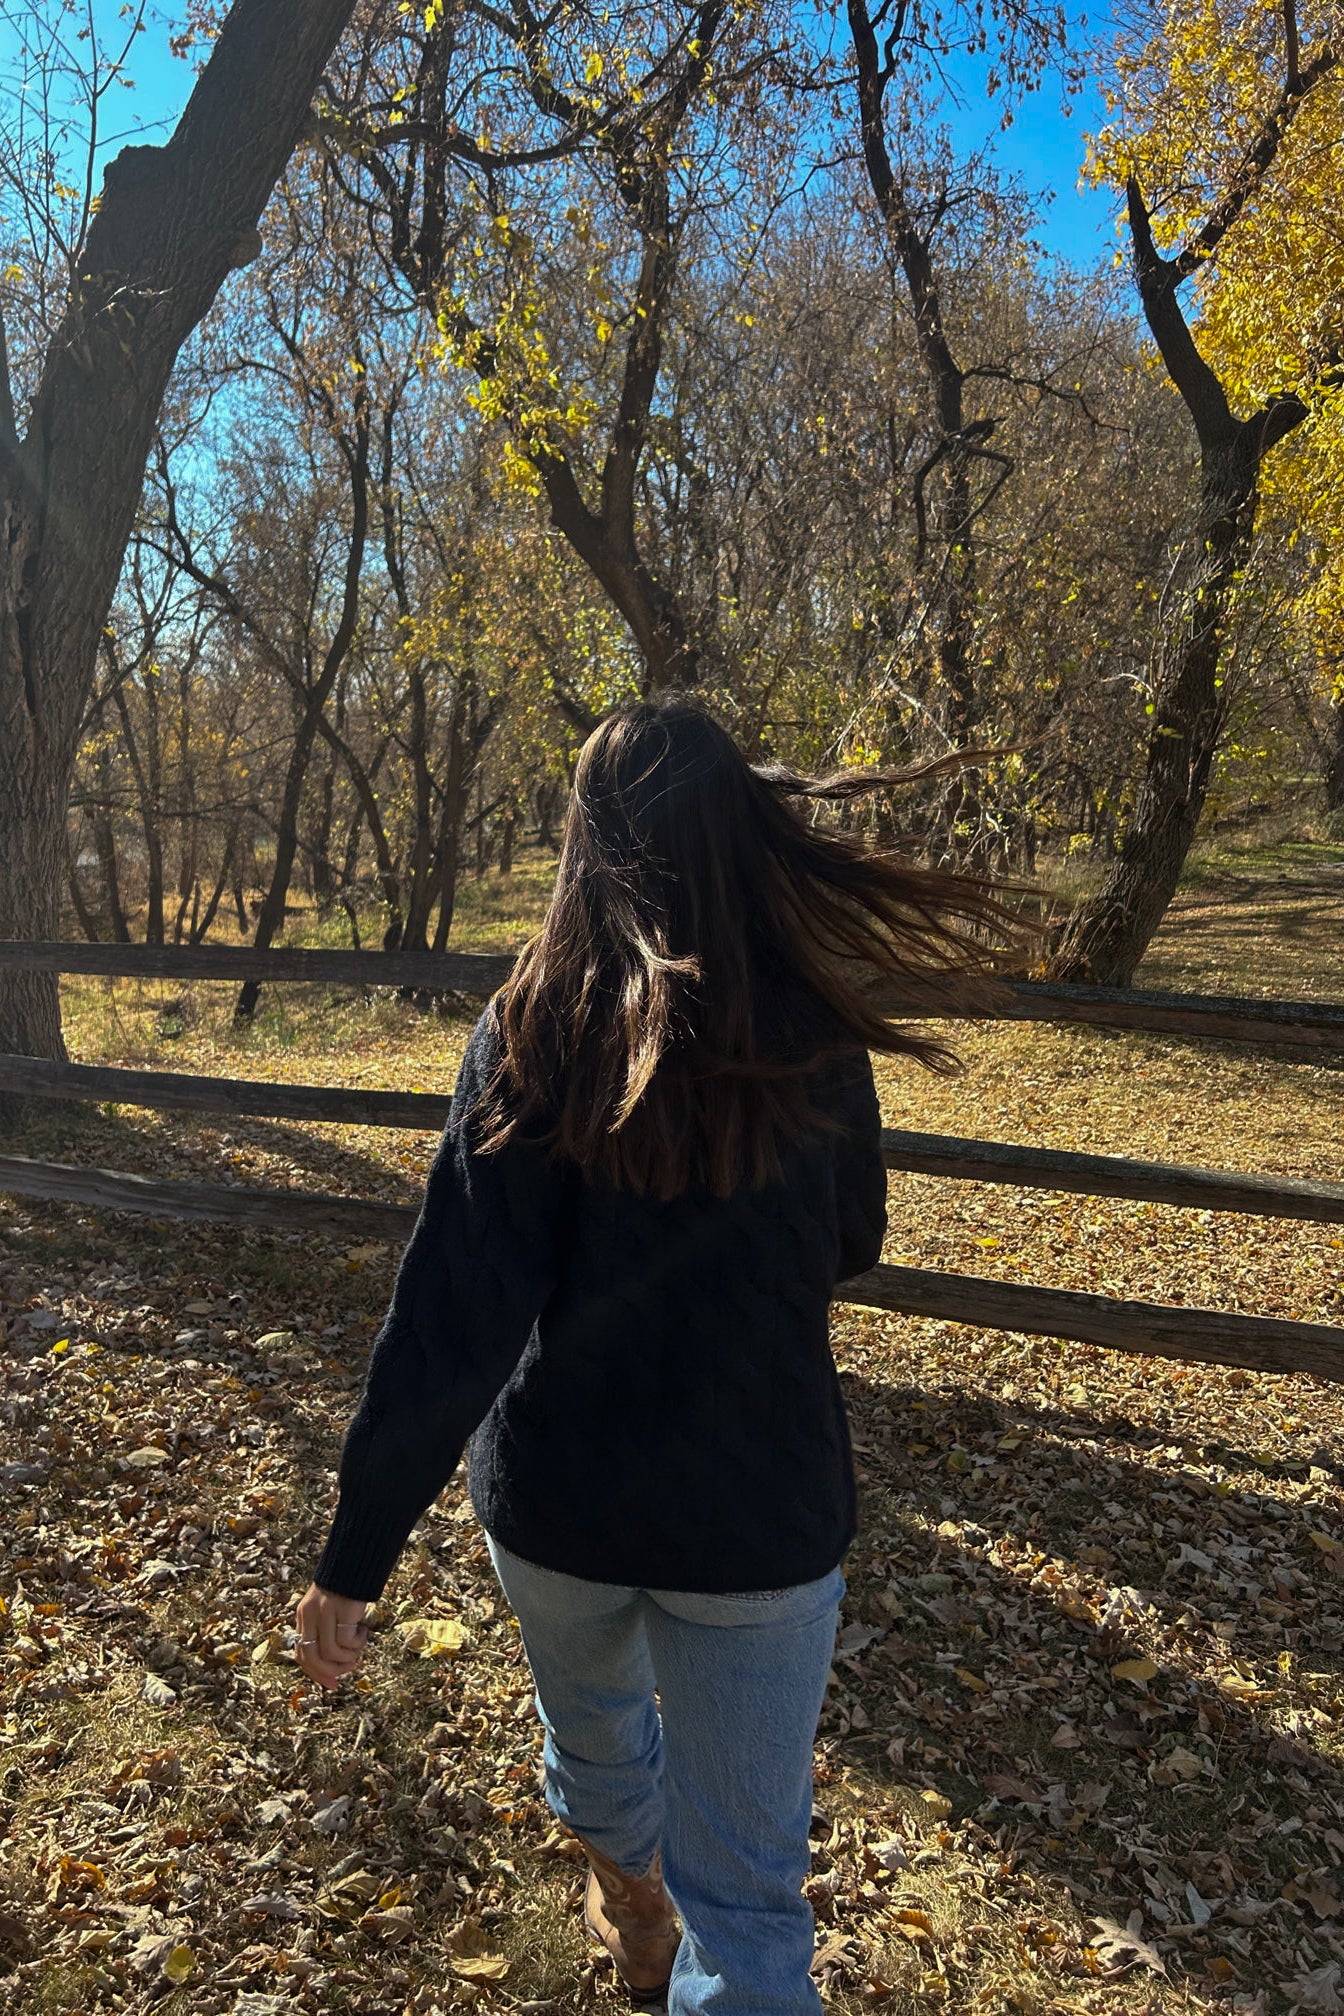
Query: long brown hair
{"x": 708, "y": 944}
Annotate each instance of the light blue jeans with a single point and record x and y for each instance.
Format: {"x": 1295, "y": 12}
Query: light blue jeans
{"x": 721, "y": 1780}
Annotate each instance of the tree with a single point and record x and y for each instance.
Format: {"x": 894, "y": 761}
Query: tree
{"x": 314, "y": 313}
{"x": 1211, "y": 105}
{"x": 556, "y": 293}
{"x": 142, "y": 266}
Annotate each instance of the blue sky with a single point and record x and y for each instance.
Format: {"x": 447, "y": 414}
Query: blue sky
{"x": 1044, "y": 148}
{"x": 1044, "y": 145}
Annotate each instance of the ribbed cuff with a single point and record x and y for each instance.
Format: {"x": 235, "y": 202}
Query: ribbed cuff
{"x": 360, "y": 1553}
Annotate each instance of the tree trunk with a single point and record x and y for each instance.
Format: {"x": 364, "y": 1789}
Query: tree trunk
{"x": 314, "y": 700}
{"x": 322, "y": 875}
{"x": 145, "y": 769}
{"x": 33, "y": 787}
{"x": 1109, "y": 934}
{"x": 105, "y": 846}
{"x": 1334, "y": 764}
{"x": 189, "y": 838}
{"x": 200, "y": 926}
{"x": 548, "y": 800}
{"x": 368, "y": 813}
{"x": 88, "y": 923}
{"x": 271, "y": 916}
{"x": 421, "y": 879}
{"x": 172, "y": 222}
{"x": 945, "y": 534}
{"x": 457, "y": 782}
{"x": 600, "y": 521}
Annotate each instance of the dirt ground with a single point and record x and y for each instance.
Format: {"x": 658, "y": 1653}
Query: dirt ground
{"x": 1084, "y": 1748}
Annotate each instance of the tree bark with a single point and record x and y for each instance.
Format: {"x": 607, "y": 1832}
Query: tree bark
{"x": 1334, "y": 762}
{"x": 1108, "y": 936}
{"x": 32, "y": 855}
{"x": 547, "y": 801}
{"x": 145, "y": 769}
{"x": 370, "y": 814}
{"x": 200, "y": 926}
{"x": 945, "y": 551}
{"x": 313, "y": 703}
{"x": 88, "y": 923}
{"x": 321, "y": 873}
{"x": 420, "y": 877}
{"x": 1110, "y": 932}
{"x": 602, "y": 527}
{"x": 173, "y": 221}
{"x": 459, "y": 775}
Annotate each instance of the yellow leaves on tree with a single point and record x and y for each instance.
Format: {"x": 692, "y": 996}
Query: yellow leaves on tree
{"x": 1226, "y": 113}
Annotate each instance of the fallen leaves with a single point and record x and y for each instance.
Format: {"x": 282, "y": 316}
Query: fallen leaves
{"x": 1318, "y": 1991}
{"x": 1002, "y": 1785}
{"x": 1141, "y": 1670}
{"x": 472, "y": 1958}
{"x": 1333, "y": 1550}
{"x": 332, "y": 1818}
{"x": 14, "y": 1934}
{"x": 162, "y": 1955}
{"x": 1121, "y": 1947}
{"x": 1242, "y": 1687}
{"x": 1179, "y": 1765}
{"x": 150, "y": 1457}
{"x": 72, "y": 1874}
{"x": 914, "y": 1924}
{"x": 1063, "y": 1557}
{"x": 394, "y": 1924}
{"x": 430, "y": 1636}
{"x": 350, "y": 1893}
{"x": 271, "y": 1904}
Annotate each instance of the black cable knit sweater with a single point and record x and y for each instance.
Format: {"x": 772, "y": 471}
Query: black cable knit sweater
{"x": 648, "y": 1385}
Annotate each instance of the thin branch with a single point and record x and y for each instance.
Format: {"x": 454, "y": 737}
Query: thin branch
{"x": 1293, "y": 42}
{"x": 9, "y": 432}
{"x": 463, "y": 148}
{"x": 1260, "y": 156}
{"x": 1157, "y": 279}
{"x": 1006, "y": 375}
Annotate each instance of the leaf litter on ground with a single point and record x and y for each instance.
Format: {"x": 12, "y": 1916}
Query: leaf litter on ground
{"x": 1082, "y": 1746}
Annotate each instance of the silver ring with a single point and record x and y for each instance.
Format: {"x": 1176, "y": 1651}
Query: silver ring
{"x": 305, "y": 1641}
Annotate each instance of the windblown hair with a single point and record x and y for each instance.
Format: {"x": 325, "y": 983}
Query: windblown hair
{"x": 709, "y": 943}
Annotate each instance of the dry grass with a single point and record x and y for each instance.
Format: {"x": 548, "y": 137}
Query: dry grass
{"x": 991, "y": 1786}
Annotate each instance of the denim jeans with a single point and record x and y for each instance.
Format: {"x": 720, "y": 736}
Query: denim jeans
{"x": 721, "y": 1780}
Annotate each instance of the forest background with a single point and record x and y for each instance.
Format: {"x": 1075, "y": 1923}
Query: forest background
{"x": 583, "y": 351}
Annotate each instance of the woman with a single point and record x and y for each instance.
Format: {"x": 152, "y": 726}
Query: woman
{"x": 663, "y": 1154}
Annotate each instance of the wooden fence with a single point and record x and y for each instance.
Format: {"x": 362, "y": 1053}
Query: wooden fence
{"x": 1162, "y": 1330}
{"x": 1303, "y": 1024}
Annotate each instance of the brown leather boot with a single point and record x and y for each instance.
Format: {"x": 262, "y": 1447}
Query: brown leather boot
{"x": 633, "y": 1918}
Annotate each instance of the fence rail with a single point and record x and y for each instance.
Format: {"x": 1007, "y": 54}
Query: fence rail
{"x": 1312, "y": 1025}
{"x": 1156, "y": 1329}
{"x": 182, "y": 1091}
{"x": 282, "y": 1210}
{"x": 952, "y": 1155}
{"x": 444, "y": 972}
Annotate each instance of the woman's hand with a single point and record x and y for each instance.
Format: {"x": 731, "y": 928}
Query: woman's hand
{"x": 330, "y": 1635}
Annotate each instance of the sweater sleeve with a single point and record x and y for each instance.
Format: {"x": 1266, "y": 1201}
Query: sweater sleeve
{"x": 860, "y": 1174}
{"x": 481, "y": 1262}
